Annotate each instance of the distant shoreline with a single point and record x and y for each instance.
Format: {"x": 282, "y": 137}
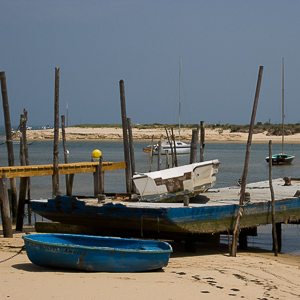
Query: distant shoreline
{"x": 145, "y": 135}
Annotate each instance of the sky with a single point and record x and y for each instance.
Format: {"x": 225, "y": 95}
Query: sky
{"x": 97, "y": 43}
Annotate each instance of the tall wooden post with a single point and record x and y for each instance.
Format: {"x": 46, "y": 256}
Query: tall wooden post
{"x": 236, "y": 231}
{"x": 159, "y": 154}
{"x": 175, "y": 150}
{"x": 202, "y": 140}
{"x": 9, "y": 144}
{"x": 275, "y": 243}
{"x": 193, "y": 154}
{"x": 63, "y": 133}
{"x": 23, "y": 180}
{"x": 131, "y": 147}
{"x": 125, "y": 136}
{"x": 5, "y": 211}
{"x": 55, "y": 176}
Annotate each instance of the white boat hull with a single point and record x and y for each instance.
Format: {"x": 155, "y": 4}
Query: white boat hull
{"x": 181, "y": 148}
{"x": 170, "y": 185}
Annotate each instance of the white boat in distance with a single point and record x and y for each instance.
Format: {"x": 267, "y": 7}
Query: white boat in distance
{"x": 181, "y": 148}
{"x": 170, "y": 185}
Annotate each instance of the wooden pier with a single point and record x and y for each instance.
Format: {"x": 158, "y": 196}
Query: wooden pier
{"x": 70, "y": 168}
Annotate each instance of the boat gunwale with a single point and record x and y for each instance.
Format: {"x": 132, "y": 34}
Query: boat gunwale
{"x": 60, "y": 245}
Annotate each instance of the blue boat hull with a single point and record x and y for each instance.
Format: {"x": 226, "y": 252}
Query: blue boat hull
{"x": 97, "y": 254}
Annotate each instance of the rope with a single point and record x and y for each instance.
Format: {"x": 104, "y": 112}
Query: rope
{"x": 23, "y": 248}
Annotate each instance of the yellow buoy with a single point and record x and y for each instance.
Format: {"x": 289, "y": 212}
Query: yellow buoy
{"x": 96, "y": 154}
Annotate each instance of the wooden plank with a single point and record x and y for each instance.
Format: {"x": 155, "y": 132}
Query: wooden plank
{"x": 71, "y": 168}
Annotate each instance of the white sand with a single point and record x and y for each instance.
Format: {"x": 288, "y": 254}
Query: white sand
{"x": 115, "y": 134}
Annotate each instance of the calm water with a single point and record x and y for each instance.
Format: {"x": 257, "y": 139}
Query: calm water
{"x": 231, "y": 156}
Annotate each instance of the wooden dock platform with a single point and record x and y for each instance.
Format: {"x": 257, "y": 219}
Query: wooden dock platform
{"x": 210, "y": 213}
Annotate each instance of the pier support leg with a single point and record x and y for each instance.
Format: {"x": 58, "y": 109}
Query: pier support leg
{"x": 190, "y": 245}
{"x": 279, "y": 236}
{"x": 243, "y": 242}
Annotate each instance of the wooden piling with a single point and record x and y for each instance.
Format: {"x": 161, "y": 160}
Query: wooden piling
{"x": 131, "y": 148}
{"x": 202, "y": 140}
{"x": 159, "y": 154}
{"x": 194, "y": 142}
{"x": 175, "y": 150}
{"x": 151, "y": 154}
{"x": 63, "y": 132}
{"x": 5, "y": 211}
{"x": 171, "y": 146}
{"x": 274, "y": 234}
{"x": 9, "y": 144}
{"x": 55, "y": 176}
{"x": 23, "y": 180}
{"x": 236, "y": 231}
{"x": 125, "y": 136}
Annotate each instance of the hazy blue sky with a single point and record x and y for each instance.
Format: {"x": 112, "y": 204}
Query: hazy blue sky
{"x": 97, "y": 43}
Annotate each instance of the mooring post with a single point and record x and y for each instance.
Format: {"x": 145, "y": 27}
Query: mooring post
{"x": 202, "y": 140}
{"x": 131, "y": 148}
{"x": 9, "y": 144}
{"x": 194, "y": 142}
{"x": 175, "y": 150}
{"x": 63, "y": 132}
{"x": 236, "y": 231}
{"x": 24, "y": 137}
{"x": 159, "y": 154}
{"x": 55, "y": 176}
{"x": 23, "y": 180}
{"x": 151, "y": 154}
{"x": 274, "y": 234}
{"x": 125, "y": 136}
{"x": 5, "y": 211}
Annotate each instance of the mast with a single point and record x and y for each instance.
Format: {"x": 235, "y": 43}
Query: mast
{"x": 179, "y": 96}
{"x": 282, "y": 105}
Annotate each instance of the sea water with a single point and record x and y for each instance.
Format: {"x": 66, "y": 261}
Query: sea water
{"x": 231, "y": 156}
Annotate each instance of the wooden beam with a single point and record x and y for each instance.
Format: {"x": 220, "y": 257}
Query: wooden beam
{"x": 71, "y": 168}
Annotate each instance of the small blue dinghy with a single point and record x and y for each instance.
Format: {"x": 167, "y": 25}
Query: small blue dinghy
{"x": 96, "y": 253}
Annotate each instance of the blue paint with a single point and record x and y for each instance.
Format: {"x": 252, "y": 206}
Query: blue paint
{"x": 94, "y": 253}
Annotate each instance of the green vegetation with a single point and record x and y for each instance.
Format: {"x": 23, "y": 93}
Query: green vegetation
{"x": 272, "y": 129}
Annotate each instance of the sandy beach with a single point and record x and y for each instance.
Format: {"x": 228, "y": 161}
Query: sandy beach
{"x": 210, "y": 273}
{"x": 115, "y": 134}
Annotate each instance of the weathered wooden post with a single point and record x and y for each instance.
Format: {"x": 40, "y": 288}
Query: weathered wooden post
{"x": 24, "y": 136}
{"x": 151, "y": 154}
{"x": 202, "y": 140}
{"x": 194, "y": 142}
{"x": 167, "y": 159}
{"x": 55, "y": 176}
{"x": 5, "y": 211}
{"x": 125, "y": 136}
{"x": 274, "y": 234}
{"x": 98, "y": 179}
{"x": 175, "y": 150}
{"x": 171, "y": 145}
{"x": 23, "y": 180}
{"x": 9, "y": 144}
{"x": 63, "y": 132}
{"x": 131, "y": 148}
{"x": 236, "y": 231}
{"x": 159, "y": 154}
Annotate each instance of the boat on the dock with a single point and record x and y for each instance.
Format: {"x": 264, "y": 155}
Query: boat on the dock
{"x": 96, "y": 253}
{"x": 170, "y": 185}
{"x": 212, "y": 212}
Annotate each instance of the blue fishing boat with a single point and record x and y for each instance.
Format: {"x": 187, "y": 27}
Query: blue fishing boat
{"x": 96, "y": 253}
